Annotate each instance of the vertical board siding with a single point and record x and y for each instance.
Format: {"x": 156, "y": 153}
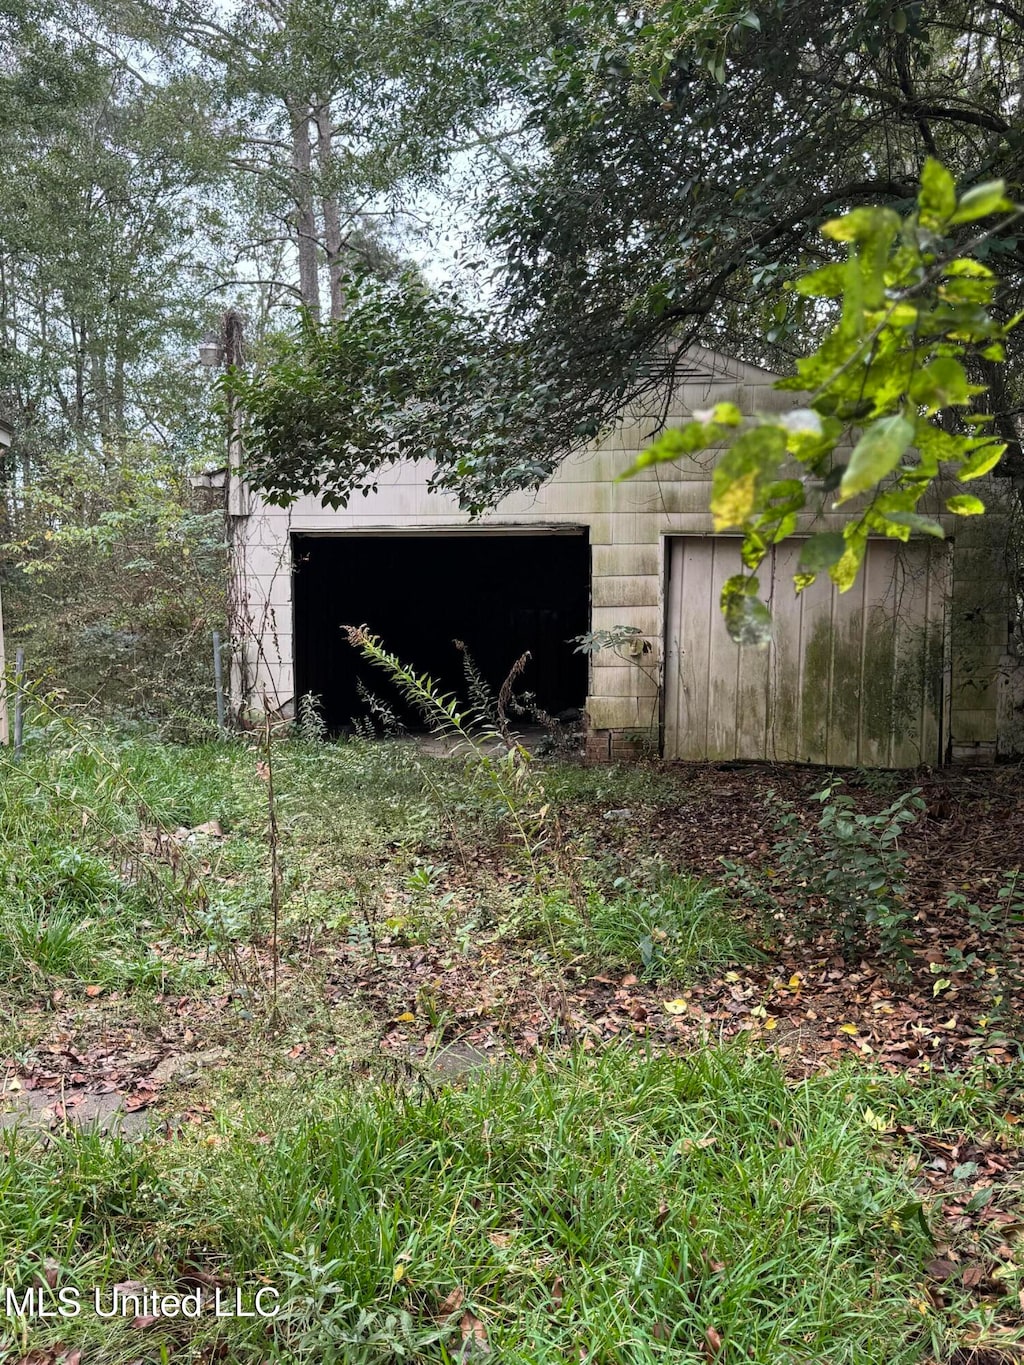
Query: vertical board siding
{"x": 850, "y": 678}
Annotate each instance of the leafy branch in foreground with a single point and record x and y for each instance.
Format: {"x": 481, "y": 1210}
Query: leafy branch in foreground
{"x": 887, "y": 377}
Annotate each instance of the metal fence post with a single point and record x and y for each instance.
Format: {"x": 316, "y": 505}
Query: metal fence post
{"x": 218, "y": 678}
{"x": 19, "y": 700}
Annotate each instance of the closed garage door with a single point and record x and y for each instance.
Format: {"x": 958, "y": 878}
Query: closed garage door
{"x": 850, "y": 678}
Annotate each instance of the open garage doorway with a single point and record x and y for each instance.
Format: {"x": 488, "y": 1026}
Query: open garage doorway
{"x": 501, "y": 593}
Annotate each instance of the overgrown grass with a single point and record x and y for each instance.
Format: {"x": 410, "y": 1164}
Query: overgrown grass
{"x": 81, "y": 805}
{"x": 677, "y": 929}
{"x": 614, "y": 1208}
{"x": 617, "y": 1209}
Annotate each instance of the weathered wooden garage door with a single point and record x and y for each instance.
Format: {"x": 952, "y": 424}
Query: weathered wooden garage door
{"x": 850, "y": 678}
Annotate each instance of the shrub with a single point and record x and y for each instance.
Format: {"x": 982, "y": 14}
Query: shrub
{"x": 848, "y": 875}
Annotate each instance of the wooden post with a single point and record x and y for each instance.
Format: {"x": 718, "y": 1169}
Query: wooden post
{"x": 218, "y": 679}
{"x": 19, "y": 700}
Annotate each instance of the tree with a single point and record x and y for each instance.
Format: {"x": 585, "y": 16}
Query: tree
{"x": 107, "y": 243}
{"x": 690, "y": 154}
{"x": 894, "y": 368}
{"x": 669, "y": 169}
{"x": 323, "y": 123}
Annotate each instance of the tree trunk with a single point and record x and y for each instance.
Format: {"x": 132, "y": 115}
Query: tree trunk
{"x": 331, "y": 210}
{"x": 305, "y": 216}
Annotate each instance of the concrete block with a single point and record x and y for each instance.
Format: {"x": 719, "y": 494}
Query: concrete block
{"x": 636, "y": 590}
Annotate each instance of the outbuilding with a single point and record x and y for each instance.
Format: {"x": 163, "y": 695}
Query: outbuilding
{"x": 911, "y": 666}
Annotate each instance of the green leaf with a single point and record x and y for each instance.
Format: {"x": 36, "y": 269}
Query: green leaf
{"x": 675, "y": 444}
{"x": 980, "y": 201}
{"x": 876, "y": 454}
{"x": 861, "y": 225}
{"x": 821, "y": 551}
{"x": 983, "y": 459}
{"x": 747, "y": 619}
{"x": 967, "y": 265}
{"x": 725, "y": 414}
{"x": 914, "y": 521}
{"x": 941, "y": 384}
{"x": 826, "y": 283}
{"x": 936, "y": 202}
{"x": 965, "y": 505}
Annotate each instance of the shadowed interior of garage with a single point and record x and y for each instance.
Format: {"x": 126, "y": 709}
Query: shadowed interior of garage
{"x": 501, "y": 594}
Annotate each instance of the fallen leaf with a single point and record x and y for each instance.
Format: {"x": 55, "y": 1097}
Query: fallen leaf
{"x": 676, "y": 1006}
{"x": 849, "y": 1029}
{"x": 452, "y": 1303}
{"x": 94, "y": 990}
{"x": 941, "y": 1268}
{"x": 474, "y": 1334}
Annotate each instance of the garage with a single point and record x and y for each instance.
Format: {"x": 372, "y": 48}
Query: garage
{"x": 501, "y": 593}
{"x": 853, "y": 678}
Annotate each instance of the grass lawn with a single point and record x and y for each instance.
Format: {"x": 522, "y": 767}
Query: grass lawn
{"x": 528, "y": 1084}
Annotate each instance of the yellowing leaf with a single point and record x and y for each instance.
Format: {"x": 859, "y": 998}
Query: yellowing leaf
{"x": 844, "y": 574}
{"x": 731, "y": 976}
{"x": 771, "y": 1023}
{"x": 407, "y": 1018}
{"x": 795, "y": 981}
{"x": 937, "y": 201}
{"x": 982, "y": 200}
{"x": 399, "y": 1272}
{"x": 735, "y": 502}
{"x": 676, "y": 1006}
{"x": 849, "y": 1029}
{"x": 965, "y": 505}
{"x": 984, "y": 458}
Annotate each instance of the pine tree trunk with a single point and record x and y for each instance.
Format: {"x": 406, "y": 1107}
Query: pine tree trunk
{"x": 331, "y": 210}
{"x": 305, "y": 215}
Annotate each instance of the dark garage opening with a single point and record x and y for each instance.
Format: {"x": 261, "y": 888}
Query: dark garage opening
{"x": 500, "y": 593}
